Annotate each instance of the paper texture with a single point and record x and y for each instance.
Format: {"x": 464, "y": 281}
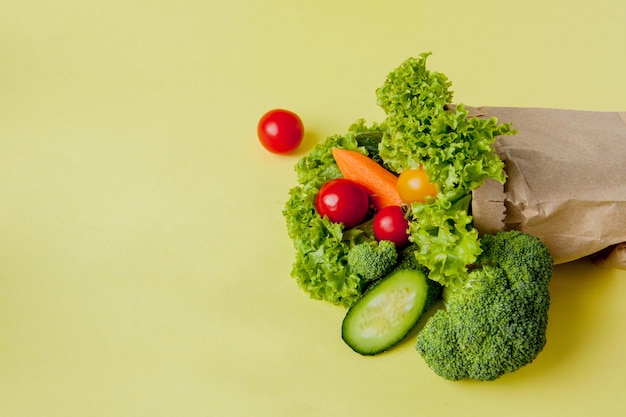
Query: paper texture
{"x": 566, "y": 181}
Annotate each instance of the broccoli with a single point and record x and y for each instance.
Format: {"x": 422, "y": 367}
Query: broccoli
{"x": 372, "y": 259}
{"x": 495, "y": 322}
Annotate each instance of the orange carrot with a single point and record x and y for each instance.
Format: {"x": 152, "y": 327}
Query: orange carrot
{"x": 365, "y": 171}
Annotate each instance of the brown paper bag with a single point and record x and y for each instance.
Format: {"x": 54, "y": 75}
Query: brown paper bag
{"x": 566, "y": 182}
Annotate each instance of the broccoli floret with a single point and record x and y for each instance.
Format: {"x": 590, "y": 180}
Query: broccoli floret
{"x": 372, "y": 259}
{"x": 496, "y": 321}
{"x": 523, "y": 257}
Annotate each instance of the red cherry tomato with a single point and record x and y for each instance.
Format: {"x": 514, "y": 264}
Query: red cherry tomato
{"x": 390, "y": 224}
{"x": 343, "y": 201}
{"x": 280, "y": 131}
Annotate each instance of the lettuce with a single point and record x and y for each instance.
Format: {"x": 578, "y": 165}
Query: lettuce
{"x": 455, "y": 150}
{"x": 420, "y": 129}
{"x": 446, "y": 240}
{"x": 320, "y": 268}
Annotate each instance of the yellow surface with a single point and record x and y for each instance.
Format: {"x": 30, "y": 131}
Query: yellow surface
{"x": 144, "y": 263}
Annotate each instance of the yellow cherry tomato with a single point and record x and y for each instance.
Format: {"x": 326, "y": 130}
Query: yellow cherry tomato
{"x": 413, "y": 186}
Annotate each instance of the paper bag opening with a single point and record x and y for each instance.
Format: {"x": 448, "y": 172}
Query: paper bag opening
{"x": 566, "y": 181}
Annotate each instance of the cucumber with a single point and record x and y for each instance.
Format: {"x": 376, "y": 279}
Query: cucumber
{"x": 387, "y": 311}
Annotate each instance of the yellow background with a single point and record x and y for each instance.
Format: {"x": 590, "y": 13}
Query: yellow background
{"x": 144, "y": 262}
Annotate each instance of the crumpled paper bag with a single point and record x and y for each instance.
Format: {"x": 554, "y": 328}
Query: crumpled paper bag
{"x": 566, "y": 182}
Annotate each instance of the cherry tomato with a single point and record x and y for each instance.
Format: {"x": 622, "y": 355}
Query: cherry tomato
{"x": 280, "y": 131}
{"x": 343, "y": 201}
{"x": 413, "y": 186}
{"x": 391, "y": 224}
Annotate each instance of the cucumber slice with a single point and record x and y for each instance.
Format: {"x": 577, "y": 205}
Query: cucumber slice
{"x": 387, "y": 312}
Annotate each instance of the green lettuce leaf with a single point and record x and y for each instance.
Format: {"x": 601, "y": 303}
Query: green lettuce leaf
{"x": 457, "y": 153}
{"x": 320, "y": 267}
{"x": 420, "y": 130}
{"x": 446, "y": 240}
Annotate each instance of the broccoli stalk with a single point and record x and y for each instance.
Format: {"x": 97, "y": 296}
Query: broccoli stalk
{"x": 495, "y": 322}
{"x": 371, "y": 260}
